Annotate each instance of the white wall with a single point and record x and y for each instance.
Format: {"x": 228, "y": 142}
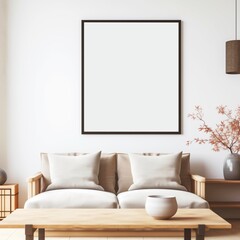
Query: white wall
{"x": 2, "y": 83}
{"x": 43, "y": 78}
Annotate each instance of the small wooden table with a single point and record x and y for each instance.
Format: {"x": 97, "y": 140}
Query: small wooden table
{"x": 225, "y": 204}
{"x": 8, "y": 199}
{"x": 112, "y": 220}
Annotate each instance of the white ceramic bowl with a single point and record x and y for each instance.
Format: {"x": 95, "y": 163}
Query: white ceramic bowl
{"x": 161, "y": 207}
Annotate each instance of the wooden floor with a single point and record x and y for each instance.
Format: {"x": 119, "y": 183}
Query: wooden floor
{"x": 233, "y": 234}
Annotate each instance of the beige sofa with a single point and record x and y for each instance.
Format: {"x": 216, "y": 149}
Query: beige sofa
{"x": 116, "y": 178}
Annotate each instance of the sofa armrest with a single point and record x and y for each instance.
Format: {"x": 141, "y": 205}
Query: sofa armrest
{"x": 34, "y": 184}
{"x": 198, "y": 185}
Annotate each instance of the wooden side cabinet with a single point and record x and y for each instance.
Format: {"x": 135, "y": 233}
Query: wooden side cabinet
{"x": 226, "y": 204}
{"x": 8, "y": 199}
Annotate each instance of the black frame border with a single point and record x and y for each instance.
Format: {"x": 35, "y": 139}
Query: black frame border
{"x": 83, "y": 131}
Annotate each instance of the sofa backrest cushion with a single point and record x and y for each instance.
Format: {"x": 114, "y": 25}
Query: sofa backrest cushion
{"x": 107, "y": 171}
{"x": 125, "y": 179}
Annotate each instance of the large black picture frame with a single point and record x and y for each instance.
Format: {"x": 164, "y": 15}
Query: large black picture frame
{"x": 100, "y": 96}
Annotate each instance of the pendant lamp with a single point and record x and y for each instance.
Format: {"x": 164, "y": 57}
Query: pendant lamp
{"x": 233, "y": 51}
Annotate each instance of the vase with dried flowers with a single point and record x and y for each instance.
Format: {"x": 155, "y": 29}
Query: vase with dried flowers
{"x": 225, "y": 136}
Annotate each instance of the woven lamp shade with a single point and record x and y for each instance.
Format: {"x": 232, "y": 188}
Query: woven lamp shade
{"x": 233, "y": 57}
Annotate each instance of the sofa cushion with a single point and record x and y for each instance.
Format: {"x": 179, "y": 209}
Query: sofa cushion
{"x": 73, "y": 198}
{"x": 150, "y": 172}
{"x": 125, "y": 179}
{"x": 137, "y": 198}
{"x": 107, "y": 171}
{"x": 74, "y": 171}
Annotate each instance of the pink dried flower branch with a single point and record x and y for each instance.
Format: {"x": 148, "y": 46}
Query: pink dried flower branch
{"x": 226, "y": 134}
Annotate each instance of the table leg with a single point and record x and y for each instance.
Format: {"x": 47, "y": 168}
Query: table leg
{"x": 29, "y": 231}
{"x": 41, "y": 234}
{"x": 200, "y": 233}
{"x": 187, "y": 234}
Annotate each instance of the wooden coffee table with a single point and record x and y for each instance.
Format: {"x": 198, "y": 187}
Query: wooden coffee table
{"x": 109, "y": 220}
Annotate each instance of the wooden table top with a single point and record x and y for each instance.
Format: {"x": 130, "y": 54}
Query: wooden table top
{"x": 110, "y": 219}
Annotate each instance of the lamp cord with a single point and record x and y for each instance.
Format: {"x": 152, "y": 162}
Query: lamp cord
{"x": 236, "y": 20}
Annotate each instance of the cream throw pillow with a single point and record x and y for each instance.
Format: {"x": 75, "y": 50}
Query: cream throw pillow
{"x": 151, "y": 172}
{"x": 74, "y": 171}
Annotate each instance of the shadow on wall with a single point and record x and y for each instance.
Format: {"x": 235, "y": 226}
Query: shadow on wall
{"x": 197, "y": 167}
{"x": 3, "y": 86}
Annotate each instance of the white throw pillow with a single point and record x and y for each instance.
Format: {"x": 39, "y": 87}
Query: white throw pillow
{"x": 74, "y": 171}
{"x": 151, "y": 172}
